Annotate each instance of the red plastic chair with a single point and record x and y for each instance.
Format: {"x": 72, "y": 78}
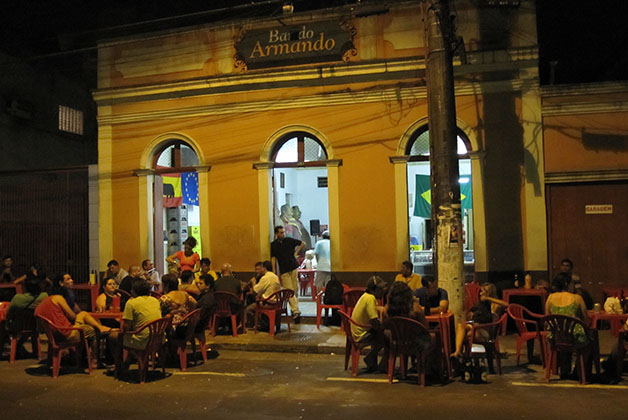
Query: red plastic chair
{"x": 517, "y": 312}
{"x": 320, "y": 305}
{"x": 352, "y": 347}
{"x": 157, "y": 330}
{"x": 350, "y": 298}
{"x": 562, "y": 339}
{"x": 56, "y": 347}
{"x": 26, "y": 327}
{"x": 224, "y": 301}
{"x": 491, "y": 346}
{"x": 190, "y": 320}
{"x": 471, "y": 295}
{"x": 403, "y": 344}
{"x": 306, "y": 280}
{"x": 274, "y": 306}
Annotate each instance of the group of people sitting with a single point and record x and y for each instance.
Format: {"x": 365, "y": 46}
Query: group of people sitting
{"x": 415, "y": 297}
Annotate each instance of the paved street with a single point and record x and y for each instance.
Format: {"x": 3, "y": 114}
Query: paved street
{"x": 270, "y": 385}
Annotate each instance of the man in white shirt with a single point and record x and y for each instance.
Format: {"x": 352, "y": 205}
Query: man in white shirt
{"x": 151, "y": 274}
{"x": 265, "y": 287}
{"x": 322, "y": 251}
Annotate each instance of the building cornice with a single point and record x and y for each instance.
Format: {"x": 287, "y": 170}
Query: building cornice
{"x": 393, "y": 94}
{"x": 570, "y": 108}
{"x": 586, "y": 176}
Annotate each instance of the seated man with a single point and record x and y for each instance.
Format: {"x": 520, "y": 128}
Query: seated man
{"x": 206, "y": 269}
{"x": 267, "y": 285}
{"x": 432, "y": 298}
{"x": 406, "y": 275}
{"x": 206, "y": 302}
{"x": 20, "y": 304}
{"x": 366, "y": 312}
{"x": 187, "y": 284}
{"x": 228, "y": 283}
{"x": 127, "y": 282}
{"x": 138, "y": 311}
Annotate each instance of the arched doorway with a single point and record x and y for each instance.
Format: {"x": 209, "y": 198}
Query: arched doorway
{"x": 299, "y": 181}
{"x": 419, "y": 200}
{"x": 176, "y": 212}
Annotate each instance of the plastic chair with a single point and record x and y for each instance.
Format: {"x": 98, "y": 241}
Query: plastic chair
{"x": 124, "y": 297}
{"x": 25, "y": 327}
{"x": 273, "y": 305}
{"x": 471, "y": 295}
{"x": 224, "y": 301}
{"x": 56, "y": 347}
{"x": 404, "y": 333}
{"x": 157, "y": 329}
{"x": 190, "y": 320}
{"x": 491, "y": 346}
{"x": 562, "y": 338}
{"x": 320, "y": 305}
{"x": 350, "y": 298}
{"x": 352, "y": 347}
{"x": 306, "y": 280}
{"x": 517, "y": 312}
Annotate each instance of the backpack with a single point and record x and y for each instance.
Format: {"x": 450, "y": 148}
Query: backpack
{"x": 333, "y": 293}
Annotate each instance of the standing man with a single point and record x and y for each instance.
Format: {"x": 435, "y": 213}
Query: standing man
{"x": 575, "y": 285}
{"x": 406, "y": 275}
{"x": 322, "y": 251}
{"x": 284, "y": 250}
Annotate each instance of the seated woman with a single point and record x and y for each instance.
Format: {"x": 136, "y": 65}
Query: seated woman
{"x": 487, "y": 310}
{"x": 402, "y": 303}
{"x": 562, "y": 302}
{"x": 56, "y": 309}
{"x": 175, "y": 302}
{"x": 62, "y": 285}
{"x": 104, "y": 301}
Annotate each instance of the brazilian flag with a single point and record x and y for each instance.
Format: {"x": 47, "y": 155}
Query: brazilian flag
{"x": 423, "y": 196}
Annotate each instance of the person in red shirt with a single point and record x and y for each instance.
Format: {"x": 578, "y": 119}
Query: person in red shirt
{"x": 186, "y": 259}
{"x": 56, "y": 309}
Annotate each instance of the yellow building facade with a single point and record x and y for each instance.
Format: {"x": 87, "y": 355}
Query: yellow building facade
{"x": 190, "y": 86}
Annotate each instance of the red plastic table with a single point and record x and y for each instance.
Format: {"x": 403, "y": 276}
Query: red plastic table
{"x": 617, "y": 320}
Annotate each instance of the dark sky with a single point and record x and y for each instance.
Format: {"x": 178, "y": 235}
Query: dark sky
{"x": 588, "y": 40}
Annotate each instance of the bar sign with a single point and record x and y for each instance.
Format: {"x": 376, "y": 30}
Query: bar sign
{"x": 598, "y": 209}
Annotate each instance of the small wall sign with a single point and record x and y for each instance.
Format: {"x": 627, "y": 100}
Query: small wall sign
{"x": 598, "y": 209}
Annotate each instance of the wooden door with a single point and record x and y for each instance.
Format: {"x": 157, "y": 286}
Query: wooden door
{"x": 595, "y": 239}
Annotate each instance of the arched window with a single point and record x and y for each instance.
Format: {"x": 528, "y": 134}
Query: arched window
{"x": 419, "y": 198}
{"x": 418, "y": 147}
{"x": 298, "y": 149}
{"x": 177, "y": 155}
{"x": 300, "y": 194}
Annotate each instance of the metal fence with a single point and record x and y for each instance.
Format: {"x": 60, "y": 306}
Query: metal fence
{"x": 44, "y": 220}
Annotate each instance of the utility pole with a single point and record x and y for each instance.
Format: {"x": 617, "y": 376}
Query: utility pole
{"x": 446, "y": 209}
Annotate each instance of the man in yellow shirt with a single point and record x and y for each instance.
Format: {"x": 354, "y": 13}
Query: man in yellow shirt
{"x": 366, "y": 312}
{"x": 406, "y": 275}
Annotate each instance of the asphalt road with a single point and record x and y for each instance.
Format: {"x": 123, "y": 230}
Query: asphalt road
{"x": 252, "y": 385}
